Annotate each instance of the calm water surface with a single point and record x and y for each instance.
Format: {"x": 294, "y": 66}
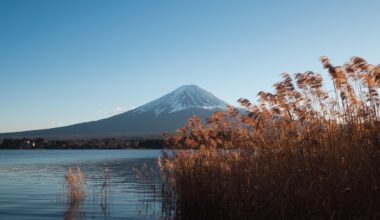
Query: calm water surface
{"x": 32, "y": 184}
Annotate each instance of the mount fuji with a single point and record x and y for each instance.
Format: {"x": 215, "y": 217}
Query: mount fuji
{"x": 164, "y": 114}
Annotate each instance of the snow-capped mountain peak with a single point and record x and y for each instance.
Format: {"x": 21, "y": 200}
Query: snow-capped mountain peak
{"x": 165, "y": 114}
{"x": 187, "y": 96}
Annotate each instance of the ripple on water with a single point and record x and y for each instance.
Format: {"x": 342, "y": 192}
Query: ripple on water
{"x": 32, "y": 184}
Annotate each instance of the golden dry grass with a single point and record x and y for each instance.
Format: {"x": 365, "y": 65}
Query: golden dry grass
{"x": 301, "y": 153}
{"x": 75, "y": 194}
{"x": 74, "y": 184}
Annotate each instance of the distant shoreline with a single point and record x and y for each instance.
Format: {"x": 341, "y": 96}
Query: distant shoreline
{"x": 36, "y": 149}
{"x": 79, "y": 144}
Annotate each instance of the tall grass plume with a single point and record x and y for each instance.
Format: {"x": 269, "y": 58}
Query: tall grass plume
{"x": 301, "y": 152}
{"x": 75, "y": 194}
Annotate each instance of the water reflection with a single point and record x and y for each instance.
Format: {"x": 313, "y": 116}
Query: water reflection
{"x": 112, "y": 189}
{"x": 96, "y": 190}
{"x": 148, "y": 197}
{"x": 105, "y": 195}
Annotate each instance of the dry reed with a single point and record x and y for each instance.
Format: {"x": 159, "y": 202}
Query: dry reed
{"x": 75, "y": 194}
{"x": 300, "y": 153}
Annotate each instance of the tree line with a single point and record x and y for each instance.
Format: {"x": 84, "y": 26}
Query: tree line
{"x": 104, "y": 143}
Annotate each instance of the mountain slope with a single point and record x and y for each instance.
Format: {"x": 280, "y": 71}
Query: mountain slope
{"x": 164, "y": 114}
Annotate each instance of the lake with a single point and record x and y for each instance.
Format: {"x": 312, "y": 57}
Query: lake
{"x": 119, "y": 184}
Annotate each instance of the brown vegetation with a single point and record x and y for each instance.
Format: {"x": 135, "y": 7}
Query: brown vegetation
{"x": 300, "y": 153}
{"x": 75, "y": 194}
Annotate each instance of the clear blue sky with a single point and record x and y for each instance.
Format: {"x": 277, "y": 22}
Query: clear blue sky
{"x": 64, "y": 62}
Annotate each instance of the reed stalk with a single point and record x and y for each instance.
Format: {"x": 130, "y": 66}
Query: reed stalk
{"x": 301, "y": 152}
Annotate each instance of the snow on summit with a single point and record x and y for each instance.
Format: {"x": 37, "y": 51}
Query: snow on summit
{"x": 165, "y": 114}
{"x": 187, "y": 96}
